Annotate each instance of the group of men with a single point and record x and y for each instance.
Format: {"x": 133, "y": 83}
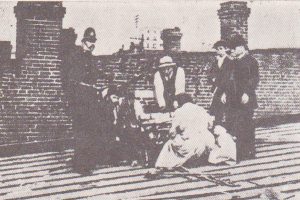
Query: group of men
{"x": 97, "y": 112}
{"x": 235, "y": 77}
{"x": 230, "y": 136}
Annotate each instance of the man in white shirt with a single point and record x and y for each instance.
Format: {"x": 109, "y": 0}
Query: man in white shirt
{"x": 169, "y": 81}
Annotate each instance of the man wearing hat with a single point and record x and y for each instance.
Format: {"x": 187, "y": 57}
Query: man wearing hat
{"x": 84, "y": 105}
{"x": 217, "y": 73}
{"x": 169, "y": 80}
{"x": 239, "y": 97}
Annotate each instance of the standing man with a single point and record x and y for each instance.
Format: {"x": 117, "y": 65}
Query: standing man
{"x": 217, "y": 108}
{"x": 169, "y": 81}
{"x": 84, "y": 106}
{"x": 239, "y": 95}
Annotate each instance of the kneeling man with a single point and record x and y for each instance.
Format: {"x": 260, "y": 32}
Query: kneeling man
{"x": 189, "y": 134}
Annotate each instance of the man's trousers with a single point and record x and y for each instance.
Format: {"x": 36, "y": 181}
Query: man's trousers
{"x": 240, "y": 124}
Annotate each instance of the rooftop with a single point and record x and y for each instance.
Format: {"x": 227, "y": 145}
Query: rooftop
{"x": 46, "y": 175}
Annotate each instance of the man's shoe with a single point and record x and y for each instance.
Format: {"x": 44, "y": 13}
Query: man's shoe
{"x": 153, "y": 174}
{"x": 83, "y": 172}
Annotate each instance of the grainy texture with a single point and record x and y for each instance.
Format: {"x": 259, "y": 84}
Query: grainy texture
{"x": 234, "y": 19}
{"x": 278, "y": 91}
{"x": 33, "y": 107}
{"x": 47, "y": 176}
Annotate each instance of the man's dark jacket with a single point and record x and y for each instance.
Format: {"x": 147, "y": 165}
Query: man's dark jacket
{"x": 216, "y": 78}
{"x": 240, "y": 76}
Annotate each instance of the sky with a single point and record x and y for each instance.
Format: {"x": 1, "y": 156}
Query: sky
{"x": 272, "y": 24}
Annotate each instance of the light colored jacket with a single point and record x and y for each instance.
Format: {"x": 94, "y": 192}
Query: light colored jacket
{"x": 189, "y": 136}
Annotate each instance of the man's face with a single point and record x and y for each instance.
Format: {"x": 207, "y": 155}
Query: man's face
{"x": 237, "y": 51}
{"x": 114, "y": 99}
{"x": 88, "y": 46}
{"x": 221, "y": 51}
{"x": 167, "y": 70}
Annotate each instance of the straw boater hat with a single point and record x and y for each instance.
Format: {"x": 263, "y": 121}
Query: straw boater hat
{"x": 166, "y": 61}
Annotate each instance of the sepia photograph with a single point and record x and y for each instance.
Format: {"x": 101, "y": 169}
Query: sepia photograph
{"x": 150, "y": 100}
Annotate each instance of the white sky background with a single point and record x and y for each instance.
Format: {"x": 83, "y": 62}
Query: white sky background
{"x": 272, "y": 24}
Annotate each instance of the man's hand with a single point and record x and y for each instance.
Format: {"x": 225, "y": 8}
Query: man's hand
{"x": 223, "y": 98}
{"x": 211, "y": 122}
{"x": 162, "y": 108}
{"x": 245, "y": 98}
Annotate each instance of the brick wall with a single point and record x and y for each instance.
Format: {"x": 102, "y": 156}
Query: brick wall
{"x": 32, "y": 104}
{"x": 278, "y": 91}
{"x": 33, "y": 107}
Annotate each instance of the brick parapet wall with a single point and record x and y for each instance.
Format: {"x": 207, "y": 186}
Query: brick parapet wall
{"x": 33, "y": 103}
{"x": 279, "y": 89}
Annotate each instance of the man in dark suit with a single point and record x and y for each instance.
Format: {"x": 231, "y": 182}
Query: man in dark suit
{"x": 215, "y": 77}
{"x": 238, "y": 86}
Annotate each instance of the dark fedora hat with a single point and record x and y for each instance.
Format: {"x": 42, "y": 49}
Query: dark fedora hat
{"x": 220, "y": 43}
{"x": 236, "y": 41}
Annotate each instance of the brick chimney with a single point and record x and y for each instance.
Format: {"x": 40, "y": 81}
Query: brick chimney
{"x": 33, "y": 106}
{"x": 5, "y": 51}
{"x": 68, "y": 39}
{"x": 171, "y": 39}
{"x": 234, "y": 19}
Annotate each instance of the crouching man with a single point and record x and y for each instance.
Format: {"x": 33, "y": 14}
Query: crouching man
{"x": 189, "y": 135}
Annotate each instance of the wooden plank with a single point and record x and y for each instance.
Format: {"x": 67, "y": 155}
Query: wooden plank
{"x": 195, "y": 188}
{"x": 291, "y": 188}
{"x": 36, "y": 158}
{"x": 280, "y": 127}
{"x": 255, "y": 162}
{"x": 165, "y": 185}
{"x": 275, "y": 166}
{"x": 77, "y": 184}
{"x": 122, "y": 190}
{"x": 127, "y": 189}
{"x": 24, "y": 165}
{"x": 275, "y": 185}
{"x": 35, "y": 155}
{"x": 35, "y": 178}
{"x": 276, "y": 152}
{"x": 278, "y": 146}
{"x": 264, "y": 174}
{"x": 246, "y": 190}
